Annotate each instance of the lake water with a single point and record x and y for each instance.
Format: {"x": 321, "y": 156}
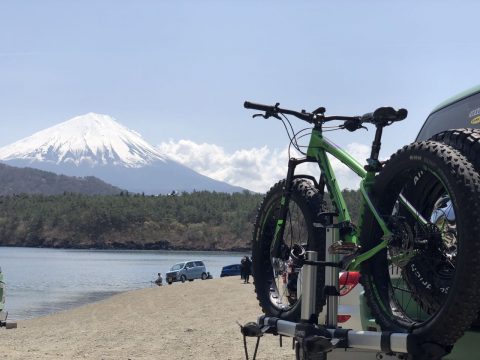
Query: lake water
{"x": 43, "y": 281}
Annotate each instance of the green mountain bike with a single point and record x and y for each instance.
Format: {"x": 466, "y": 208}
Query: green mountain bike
{"x": 416, "y": 242}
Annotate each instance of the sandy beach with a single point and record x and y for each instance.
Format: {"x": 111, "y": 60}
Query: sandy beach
{"x": 194, "y": 320}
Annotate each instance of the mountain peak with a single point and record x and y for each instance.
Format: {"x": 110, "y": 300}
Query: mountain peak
{"x": 93, "y": 117}
{"x": 91, "y": 139}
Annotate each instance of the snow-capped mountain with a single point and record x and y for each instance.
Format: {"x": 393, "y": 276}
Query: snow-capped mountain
{"x": 97, "y": 145}
{"x": 91, "y": 139}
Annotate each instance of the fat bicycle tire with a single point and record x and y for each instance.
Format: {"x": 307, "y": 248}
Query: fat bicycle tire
{"x": 306, "y": 203}
{"x": 467, "y": 141}
{"x": 447, "y": 320}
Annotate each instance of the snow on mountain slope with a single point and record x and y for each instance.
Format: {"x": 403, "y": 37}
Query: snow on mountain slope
{"x": 91, "y": 139}
{"x": 96, "y": 145}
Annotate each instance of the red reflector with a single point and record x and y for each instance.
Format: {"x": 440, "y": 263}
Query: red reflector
{"x": 348, "y": 280}
{"x": 343, "y": 318}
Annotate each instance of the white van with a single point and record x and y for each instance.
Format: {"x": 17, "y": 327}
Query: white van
{"x": 188, "y": 270}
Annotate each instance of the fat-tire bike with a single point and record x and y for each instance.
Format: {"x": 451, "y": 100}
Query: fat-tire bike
{"x": 416, "y": 243}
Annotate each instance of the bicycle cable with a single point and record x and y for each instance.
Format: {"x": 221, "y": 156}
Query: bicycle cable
{"x": 292, "y": 137}
{"x": 296, "y": 138}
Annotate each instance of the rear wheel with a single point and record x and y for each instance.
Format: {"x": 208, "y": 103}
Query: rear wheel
{"x": 277, "y": 282}
{"x": 467, "y": 141}
{"x": 422, "y": 282}
{"x": 204, "y": 276}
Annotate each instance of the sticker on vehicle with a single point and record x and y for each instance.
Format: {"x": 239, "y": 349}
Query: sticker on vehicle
{"x": 474, "y": 116}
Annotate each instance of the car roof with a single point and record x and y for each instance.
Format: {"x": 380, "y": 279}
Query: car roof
{"x": 455, "y": 98}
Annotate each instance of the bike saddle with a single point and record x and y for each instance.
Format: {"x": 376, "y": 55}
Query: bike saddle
{"x": 388, "y": 115}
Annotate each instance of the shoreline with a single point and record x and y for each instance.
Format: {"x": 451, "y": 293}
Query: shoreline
{"x": 233, "y": 251}
{"x": 42, "y": 281}
{"x": 194, "y": 320}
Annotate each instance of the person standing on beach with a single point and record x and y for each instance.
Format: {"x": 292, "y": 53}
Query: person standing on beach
{"x": 243, "y": 269}
{"x": 248, "y": 269}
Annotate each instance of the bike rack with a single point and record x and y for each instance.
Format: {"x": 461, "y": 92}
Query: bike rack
{"x": 314, "y": 341}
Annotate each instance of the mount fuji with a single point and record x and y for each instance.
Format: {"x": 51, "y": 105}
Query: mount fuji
{"x": 97, "y": 145}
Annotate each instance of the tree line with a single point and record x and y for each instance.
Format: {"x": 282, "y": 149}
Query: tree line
{"x": 189, "y": 221}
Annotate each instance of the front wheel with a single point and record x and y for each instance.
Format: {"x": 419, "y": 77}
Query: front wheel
{"x": 277, "y": 282}
{"x": 424, "y": 281}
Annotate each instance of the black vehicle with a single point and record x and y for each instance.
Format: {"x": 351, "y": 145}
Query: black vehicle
{"x": 459, "y": 112}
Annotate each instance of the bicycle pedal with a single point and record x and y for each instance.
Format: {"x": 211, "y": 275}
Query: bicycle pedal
{"x": 342, "y": 248}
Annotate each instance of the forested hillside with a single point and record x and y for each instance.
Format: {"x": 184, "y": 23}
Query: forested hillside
{"x": 189, "y": 221}
{"x": 15, "y": 180}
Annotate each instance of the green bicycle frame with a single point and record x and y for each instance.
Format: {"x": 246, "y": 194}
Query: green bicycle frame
{"x": 318, "y": 149}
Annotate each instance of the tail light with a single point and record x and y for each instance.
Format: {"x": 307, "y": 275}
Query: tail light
{"x": 348, "y": 280}
{"x": 343, "y": 318}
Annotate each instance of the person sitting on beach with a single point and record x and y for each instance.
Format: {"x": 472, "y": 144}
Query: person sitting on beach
{"x": 159, "y": 280}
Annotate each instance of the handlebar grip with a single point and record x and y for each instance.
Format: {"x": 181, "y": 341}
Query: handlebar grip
{"x": 261, "y": 107}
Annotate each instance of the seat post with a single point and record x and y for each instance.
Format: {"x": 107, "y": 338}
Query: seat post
{"x": 373, "y": 163}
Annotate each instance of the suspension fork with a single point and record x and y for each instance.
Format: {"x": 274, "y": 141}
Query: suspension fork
{"x": 276, "y": 246}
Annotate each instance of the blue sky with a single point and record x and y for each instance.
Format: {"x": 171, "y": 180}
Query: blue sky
{"x": 180, "y": 70}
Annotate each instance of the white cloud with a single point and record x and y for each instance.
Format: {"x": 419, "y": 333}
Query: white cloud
{"x": 256, "y": 169}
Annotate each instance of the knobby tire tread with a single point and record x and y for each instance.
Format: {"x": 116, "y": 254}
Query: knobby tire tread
{"x": 309, "y": 199}
{"x": 467, "y": 141}
{"x": 463, "y": 302}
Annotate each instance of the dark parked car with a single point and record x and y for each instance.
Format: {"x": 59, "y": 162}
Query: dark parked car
{"x": 459, "y": 112}
{"x": 230, "y": 270}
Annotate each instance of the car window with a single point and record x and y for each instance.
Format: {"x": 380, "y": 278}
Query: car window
{"x": 199, "y": 263}
{"x": 190, "y": 265}
{"x": 177, "y": 267}
{"x": 462, "y": 114}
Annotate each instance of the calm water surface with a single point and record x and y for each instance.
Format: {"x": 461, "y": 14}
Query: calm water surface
{"x": 43, "y": 281}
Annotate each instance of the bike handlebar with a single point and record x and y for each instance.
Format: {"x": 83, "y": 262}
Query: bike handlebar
{"x": 255, "y": 106}
{"x": 382, "y": 116}
{"x": 272, "y": 110}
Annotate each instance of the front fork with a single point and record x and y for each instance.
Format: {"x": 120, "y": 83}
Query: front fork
{"x": 276, "y": 250}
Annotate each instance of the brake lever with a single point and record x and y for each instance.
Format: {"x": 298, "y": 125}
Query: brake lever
{"x": 267, "y": 115}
